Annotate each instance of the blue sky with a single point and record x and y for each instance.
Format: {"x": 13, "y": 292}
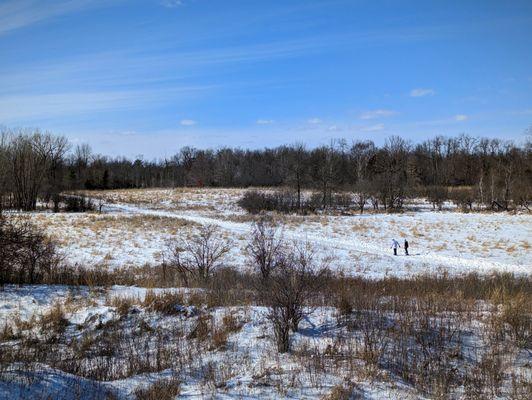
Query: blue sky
{"x": 149, "y": 76}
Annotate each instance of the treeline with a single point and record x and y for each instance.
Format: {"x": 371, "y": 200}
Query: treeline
{"x": 489, "y": 173}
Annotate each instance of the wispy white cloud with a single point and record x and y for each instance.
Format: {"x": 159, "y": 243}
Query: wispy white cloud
{"x": 265, "y": 121}
{"x": 314, "y": 121}
{"x": 373, "y": 114}
{"x": 16, "y": 14}
{"x": 443, "y": 121}
{"x": 421, "y": 92}
{"x": 373, "y": 128}
{"x": 15, "y": 108}
{"x": 171, "y": 3}
{"x": 187, "y": 122}
{"x": 130, "y": 66}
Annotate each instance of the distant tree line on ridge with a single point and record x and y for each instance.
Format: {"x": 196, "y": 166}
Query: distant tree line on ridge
{"x": 491, "y": 173}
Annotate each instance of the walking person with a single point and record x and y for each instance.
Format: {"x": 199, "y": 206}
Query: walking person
{"x": 406, "y": 247}
{"x": 395, "y": 246}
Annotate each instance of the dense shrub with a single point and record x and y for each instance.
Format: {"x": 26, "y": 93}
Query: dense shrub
{"x": 254, "y": 201}
{"x": 285, "y": 201}
{"x": 78, "y": 204}
{"x": 26, "y": 254}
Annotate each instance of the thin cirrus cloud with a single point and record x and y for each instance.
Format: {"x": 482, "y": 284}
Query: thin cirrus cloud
{"x": 314, "y": 121}
{"x": 373, "y": 128}
{"x": 374, "y": 114}
{"x": 172, "y": 3}
{"x": 187, "y": 122}
{"x": 16, "y": 14}
{"x": 422, "y": 92}
{"x": 126, "y": 66}
{"x": 443, "y": 121}
{"x": 15, "y": 108}
{"x": 265, "y": 121}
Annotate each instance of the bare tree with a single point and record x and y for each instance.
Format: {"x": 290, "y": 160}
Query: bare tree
{"x": 362, "y": 194}
{"x": 31, "y": 157}
{"x": 437, "y": 195}
{"x": 200, "y": 255}
{"x": 360, "y": 155}
{"x": 5, "y": 178}
{"x": 265, "y": 246}
{"x": 296, "y": 164}
{"x": 323, "y": 170}
{"x": 81, "y": 158}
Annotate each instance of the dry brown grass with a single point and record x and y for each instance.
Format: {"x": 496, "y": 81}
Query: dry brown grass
{"x": 165, "y": 303}
{"x": 339, "y": 392}
{"x": 511, "y": 249}
{"x": 7, "y": 333}
{"x": 199, "y": 199}
{"x": 54, "y": 320}
{"x": 97, "y": 235}
{"x": 414, "y": 231}
{"x": 221, "y": 332}
{"x": 123, "y": 304}
{"x": 163, "y": 389}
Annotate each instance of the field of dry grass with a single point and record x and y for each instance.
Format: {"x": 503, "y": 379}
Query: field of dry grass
{"x": 115, "y": 240}
{"x": 360, "y": 243}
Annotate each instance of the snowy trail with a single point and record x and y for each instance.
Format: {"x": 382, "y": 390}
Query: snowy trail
{"x": 461, "y": 264}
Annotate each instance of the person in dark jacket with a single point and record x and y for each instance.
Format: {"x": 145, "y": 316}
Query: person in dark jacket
{"x": 406, "y": 247}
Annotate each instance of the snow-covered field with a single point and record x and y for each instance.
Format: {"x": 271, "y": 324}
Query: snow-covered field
{"x": 254, "y": 369}
{"x": 137, "y": 224}
{"x": 326, "y": 358}
{"x": 97, "y": 343}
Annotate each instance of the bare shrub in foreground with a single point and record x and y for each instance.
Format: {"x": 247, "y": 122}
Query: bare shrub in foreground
{"x": 264, "y": 247}
{"x": 26, "y": 254}
{"x": 200, "y": 255}
{"x": 289, "y": 290}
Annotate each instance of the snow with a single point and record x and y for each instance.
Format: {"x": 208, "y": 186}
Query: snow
{"x": 134, "y": 230}
{"x": 43, "y": 382}
{"x": 251, "y": 367}
{"x": 133, "y": 234}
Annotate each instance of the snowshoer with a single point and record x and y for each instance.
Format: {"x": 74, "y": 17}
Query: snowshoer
{"x": 395, "y": 246}
{"x": 406, "y": 247}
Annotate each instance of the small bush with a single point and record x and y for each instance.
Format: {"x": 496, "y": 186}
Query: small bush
{"x": 123, "y": 305}
{"x": 230, "y": 323}
{"x": 6, "y": 333}
{"x": 164, "y": 303}
{"x": 54, "y": 321}
{"x": 339, "y": 392}
{"x": 219, "y": 339}
{"x": 344, "y": 304}
{"x": 202, "y": 328}
{"x": 163, "y": 389}
{"x": 516, "y": 314}
{"x": 220, "y": 334}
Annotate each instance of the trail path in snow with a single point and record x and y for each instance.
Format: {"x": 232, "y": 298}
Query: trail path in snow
{"x": 456, "y": 264}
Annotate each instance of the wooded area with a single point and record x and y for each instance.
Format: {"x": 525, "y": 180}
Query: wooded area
{"x": 490, "y": 173}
